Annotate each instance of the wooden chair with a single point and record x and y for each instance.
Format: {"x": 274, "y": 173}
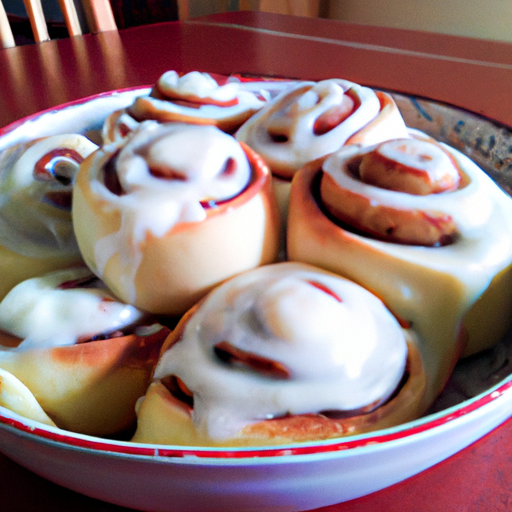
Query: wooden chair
{"x": 99, "y": 15}
{"x": 309, "y": 8}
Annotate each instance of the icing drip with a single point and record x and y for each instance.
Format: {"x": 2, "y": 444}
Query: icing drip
{"x": 51, "y": 311}
{"x": 197, "y": 87}
{"x": 168, "y": 174}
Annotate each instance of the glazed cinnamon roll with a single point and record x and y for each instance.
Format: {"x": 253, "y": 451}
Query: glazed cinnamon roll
{"x": 312, "y": 120}
{"x": 282, "y": 353}
{"x": 424, "y": 228}
{"x": 75, "y": 353}
{"x": 172, "y": 211}
{"x": 194, "y": 97}
{"x": 36, "y": 233}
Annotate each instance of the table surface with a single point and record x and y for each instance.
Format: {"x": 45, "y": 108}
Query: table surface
{"x": 469, "y": 73}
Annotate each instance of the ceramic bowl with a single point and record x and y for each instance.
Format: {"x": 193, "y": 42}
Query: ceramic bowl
{"x": 293, "y": 477}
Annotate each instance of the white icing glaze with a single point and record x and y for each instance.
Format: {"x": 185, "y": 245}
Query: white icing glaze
{"x": 196, "y": 84}
{"x": 44, "y": 315}
{"x": 293, "y": 114}
{"x": 409, "y": 165}
{"x": 343, "y": 350}
{"x": 30, "y": 224}
{"x": 266, "y": 89}
{"x": 203, "y": 163}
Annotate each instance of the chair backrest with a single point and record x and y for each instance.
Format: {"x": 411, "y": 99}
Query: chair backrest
{"x": 99, "y": 16}
{"x": 192, "y": 8}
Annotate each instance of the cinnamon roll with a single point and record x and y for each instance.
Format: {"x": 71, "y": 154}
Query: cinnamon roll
{"x": 171, "y": 212}
{"x": 312, "y": 120}
{"x": 424, "y": 228}
{"x": 36, "y": 233}
{"x": 282, "y": 353}
{"x": 194, "y": 97}
{"x": 70, "y": 350}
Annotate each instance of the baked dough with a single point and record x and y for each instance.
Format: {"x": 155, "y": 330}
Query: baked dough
{"x": 282, "y": 353}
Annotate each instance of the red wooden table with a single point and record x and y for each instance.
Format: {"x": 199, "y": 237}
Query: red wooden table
{"x": 469, "y": 73}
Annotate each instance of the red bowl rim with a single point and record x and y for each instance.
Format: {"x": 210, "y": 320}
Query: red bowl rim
{"x": 398, "y": 433}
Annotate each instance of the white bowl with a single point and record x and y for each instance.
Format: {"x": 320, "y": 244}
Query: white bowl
{"x": 287, "y": 478}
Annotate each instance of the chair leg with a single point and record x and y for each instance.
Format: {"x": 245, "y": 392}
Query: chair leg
{"x": 37, "y": 20}
{"x": 6, "y": 36}
{"x": 100, "y": 15}
{"x": 70, "y": 17}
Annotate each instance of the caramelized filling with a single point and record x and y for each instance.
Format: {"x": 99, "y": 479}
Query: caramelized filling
{"x": 334, "y": 116}
{"x": 143, "y": 328}
{"x": 113, "y": 185}
{"x": 232, "y": 355}
{"x": 326, "y": 290}
{"x": 102, "y": 336}
{"x": 278, "y": 138}
{"x": 229, "y": 167}
{"x": 178, "y": 390}
{"x": 84, "y": 282}
{"x": 61, "y": 199}
{"x": 9, "y": 340}
{"x": 58, "y": 166}
{"x": 315, "y": 191}
{"x": 110, "y": 178}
